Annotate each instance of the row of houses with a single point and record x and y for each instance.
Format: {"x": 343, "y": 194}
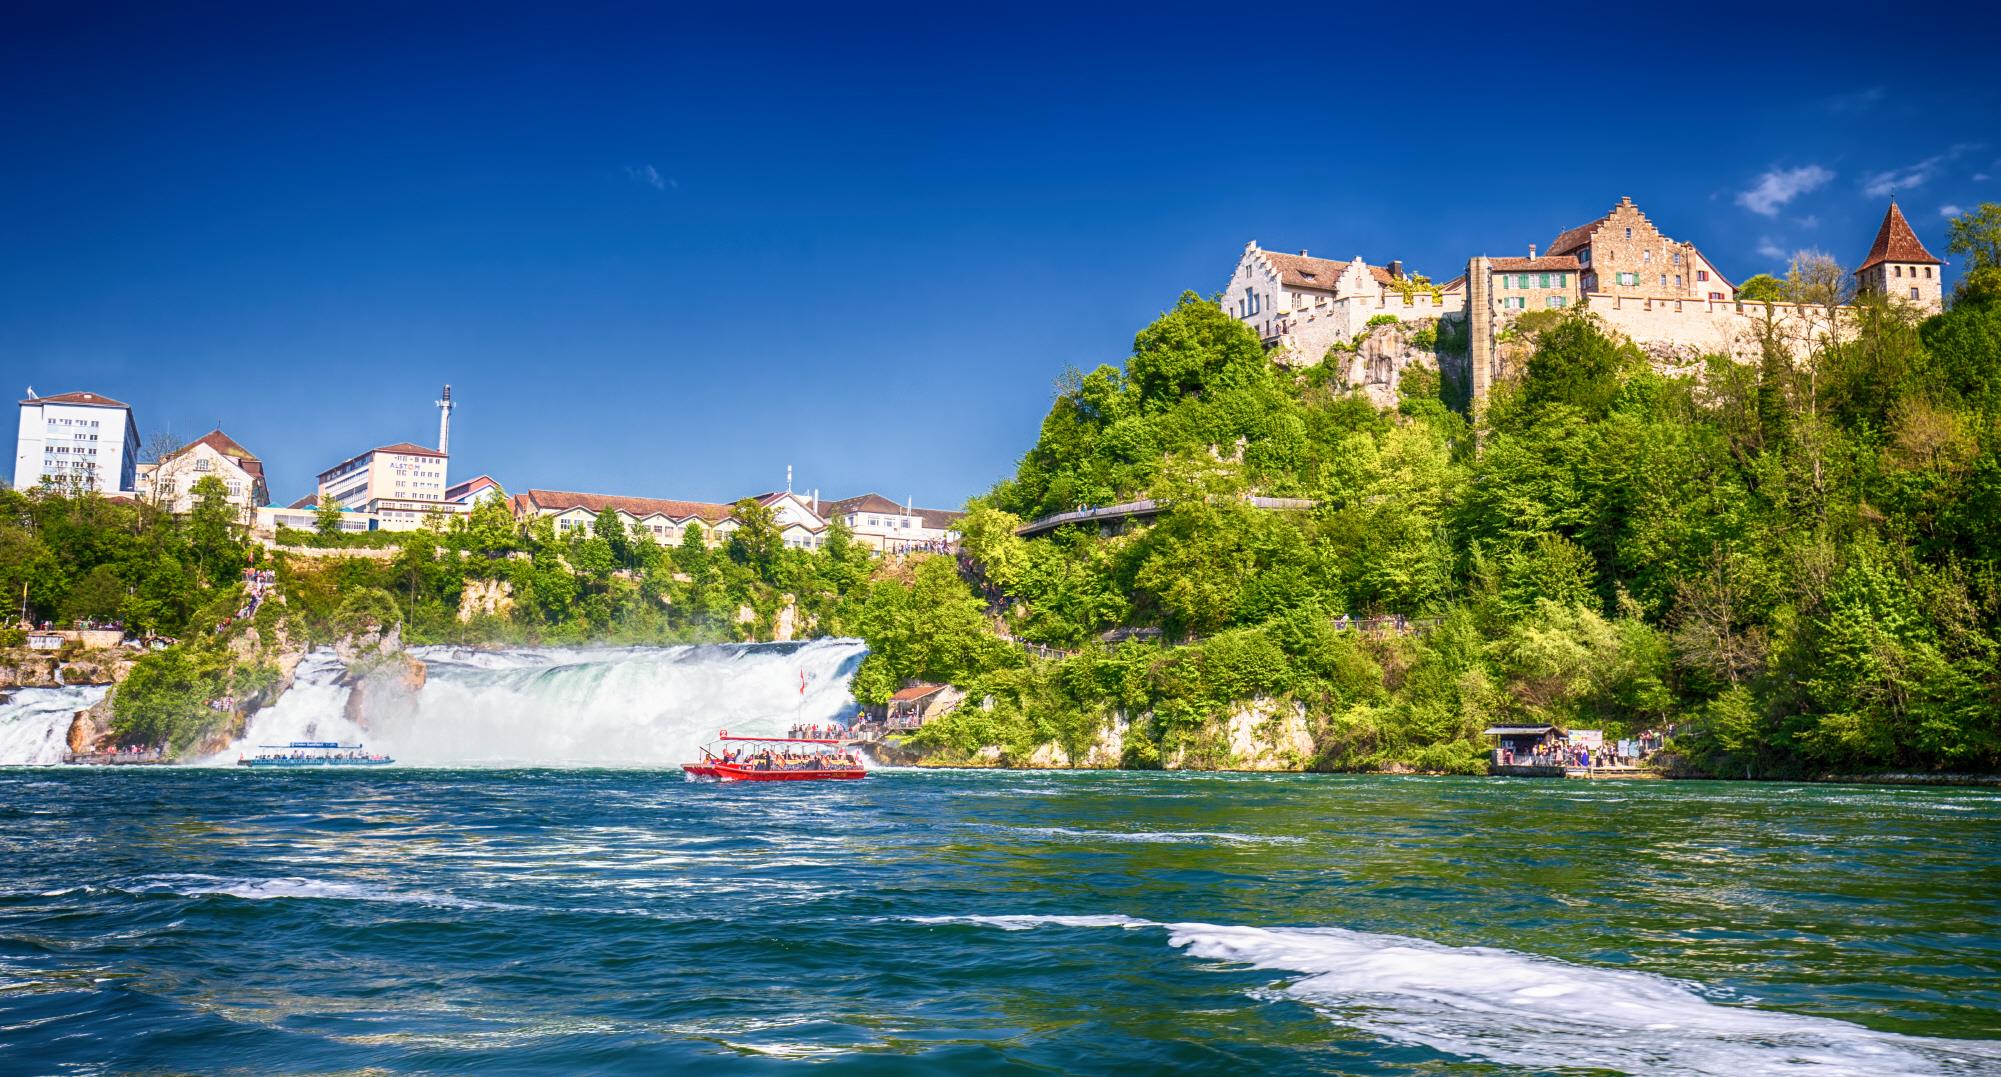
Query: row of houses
{"x": 91, "y": 441}
{"x": 803, "y": 519}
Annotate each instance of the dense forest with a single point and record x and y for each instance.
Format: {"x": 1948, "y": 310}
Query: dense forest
{"x": 1791, "y": 564}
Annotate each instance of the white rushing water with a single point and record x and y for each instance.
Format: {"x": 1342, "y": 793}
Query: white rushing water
{"x": 1536, "y": 1012}
{"x": 34, "y": 722}
{"x": 634, "y": 706}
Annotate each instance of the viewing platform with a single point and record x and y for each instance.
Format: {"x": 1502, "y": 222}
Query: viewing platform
{"x": 1111, "y": 516}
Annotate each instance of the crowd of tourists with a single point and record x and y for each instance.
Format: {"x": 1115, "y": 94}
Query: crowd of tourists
{"x": 817, "y": 731}
{"x": 772, "y": 759}
{"x": 258, "y": 583}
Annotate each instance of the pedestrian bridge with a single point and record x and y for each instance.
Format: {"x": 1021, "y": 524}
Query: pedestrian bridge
{"x": 1109, "y": 517}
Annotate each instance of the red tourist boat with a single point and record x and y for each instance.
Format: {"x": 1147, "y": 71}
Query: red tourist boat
{"x": 770, "y": 764}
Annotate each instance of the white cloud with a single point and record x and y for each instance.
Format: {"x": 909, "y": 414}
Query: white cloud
{"x": 650, "y": 176}
{"x": 1769, "y": 248}
{"x": 1980, "y": 177}
{"x": 1808, "y": 221}
{"x": 1883, "y": 184}
{"x": 1950, "y": 211}
{"x": 1779, "y": 186}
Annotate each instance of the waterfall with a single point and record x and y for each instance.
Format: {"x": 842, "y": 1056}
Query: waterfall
{"x": 632, "y": 706}
{"x": 34, "y": 722}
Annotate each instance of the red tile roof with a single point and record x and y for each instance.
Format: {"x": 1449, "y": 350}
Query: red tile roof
{"x": 1517, "y": 265}
{"x": 564, "y": 500}
{"x": 92, "y": 399}
{"x": 1576, "y": 238}
{"x": 1896, "y": 242}
{"x": 870, "y": 502}
{"x": 917, "y": 691}
{"x": 407, "y": 449}
{"x": 228, "y": 446}
{"x": 466, "y": 489}
{"x": 1299, "y": 271}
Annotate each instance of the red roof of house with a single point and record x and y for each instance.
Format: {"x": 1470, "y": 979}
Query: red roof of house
{"x": 407, "y": 449}
{"x": 91, "y": 399}
{"x": 1300, "y": 271}
{"x": 466, "y": 489}
{"x": 1575, "y": 238}
{"x": 1518, "y": 265}
{"x": 917, "y": 691}
{"x": 869, "y": 502}
{"x": 228, "y": 446}
{"x": 565, "y": 500}
{"x": 1896, "y": 242}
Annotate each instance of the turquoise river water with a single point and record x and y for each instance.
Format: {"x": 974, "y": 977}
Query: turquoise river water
{"x": 608, "y": 921}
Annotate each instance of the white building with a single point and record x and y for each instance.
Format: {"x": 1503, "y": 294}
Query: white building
{"x": 399, "y": 485}
{"x": 1300, "y": 306}
{"x": 77, "y": 437}
{"x": 883, "y": 525}
{"x": 170, "y": 483}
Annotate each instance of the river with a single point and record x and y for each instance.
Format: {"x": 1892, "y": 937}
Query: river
{"x": 572, "y": 920}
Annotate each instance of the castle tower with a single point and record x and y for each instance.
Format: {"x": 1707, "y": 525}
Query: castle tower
{"x": 1899, "y": 266}
{"x": 445, "y": 407}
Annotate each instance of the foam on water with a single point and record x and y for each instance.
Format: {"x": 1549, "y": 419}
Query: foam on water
{"x": 1174, "y": 837}
{"x": 637, "y": 706}
{"x": 1521, "y": 1010}
{"x": 196, "y": 885}
{"x": 34, "y": 722}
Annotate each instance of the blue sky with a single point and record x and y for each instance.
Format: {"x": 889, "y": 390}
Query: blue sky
{"x": 668, "y": 253}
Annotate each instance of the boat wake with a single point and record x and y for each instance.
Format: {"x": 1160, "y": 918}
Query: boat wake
{"x": 1521, "y": 1010}
{"x": 195, "y": 885}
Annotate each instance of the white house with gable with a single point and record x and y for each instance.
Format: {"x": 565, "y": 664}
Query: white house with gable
{"x": 1300, "y": 306}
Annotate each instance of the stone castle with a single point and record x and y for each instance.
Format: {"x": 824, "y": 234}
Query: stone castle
{"x": 1661, "y": 293}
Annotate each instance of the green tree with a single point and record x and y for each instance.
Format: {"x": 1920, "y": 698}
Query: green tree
{"x": 1762, "y": 288}
{"x": 1976, "y": 236}
{"x": 326, "y": 518}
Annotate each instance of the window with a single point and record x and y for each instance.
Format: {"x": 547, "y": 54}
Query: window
{"x": 1524, "y": 282}
{"x": 201, "y": 465}
{"x": 1716, "y": 295}
{"x": 1515, "y": 302}
{"x": 1646, "y": 257}
{"x": 1629, "y": 279}
{"x": 1664, "y": 280}
{"x": 1563, "y": 280}
{"x": 1896, "y": 271}
{"x": 1677, "y": 280}
{"x": 1555, "y": 302}
{"x": 1584, "y": 257}
{"x": 1702, "y": 274}
{"x": 1675, "y": 257}
{"x": 1629, "y": 233}
{"x": 1542, "y": 281}
{"x": 1928, "y": 270}
{"x": 1914, "y": 293}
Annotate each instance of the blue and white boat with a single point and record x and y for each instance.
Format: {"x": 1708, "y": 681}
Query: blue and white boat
{"x": 313, "y": 753}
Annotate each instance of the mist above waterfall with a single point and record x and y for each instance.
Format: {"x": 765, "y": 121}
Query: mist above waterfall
{"x": 634, "y": 706}
{"x": 34, "y": 722}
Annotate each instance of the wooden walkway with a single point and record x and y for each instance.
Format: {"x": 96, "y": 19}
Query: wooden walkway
{"x": 1143, "y": 509}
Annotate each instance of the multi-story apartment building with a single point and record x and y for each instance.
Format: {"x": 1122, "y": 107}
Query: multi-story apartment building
{"x": 170, "y": 483}
{"x": 398, "y": 485}
{"x": 80, "y": 438}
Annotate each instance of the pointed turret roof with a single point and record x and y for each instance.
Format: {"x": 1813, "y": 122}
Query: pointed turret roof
{"x": 1896, "y": 242}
